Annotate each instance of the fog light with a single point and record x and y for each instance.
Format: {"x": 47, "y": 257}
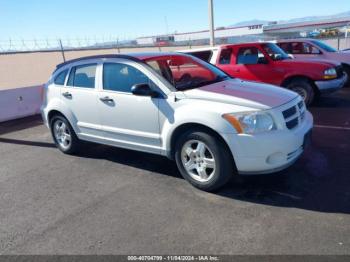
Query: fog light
{"x": 276, "y": 158}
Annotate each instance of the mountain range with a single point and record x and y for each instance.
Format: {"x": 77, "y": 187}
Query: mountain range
{"x": 294, "y": 20}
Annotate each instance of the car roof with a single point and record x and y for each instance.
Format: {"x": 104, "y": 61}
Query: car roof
{"x": 295, "y": 40}
{"x": 245, "y": 44}
{"x": 202, "y": 49}
{"x": 137, "y": 57}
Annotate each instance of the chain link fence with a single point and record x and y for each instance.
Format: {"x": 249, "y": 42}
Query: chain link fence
{"x": 9, "y": 46}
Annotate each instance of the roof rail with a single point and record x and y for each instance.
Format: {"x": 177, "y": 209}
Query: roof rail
{"x": 97, "y": 57}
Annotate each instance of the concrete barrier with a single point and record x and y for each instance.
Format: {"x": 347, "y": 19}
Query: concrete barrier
{"x": 20, "y": 102}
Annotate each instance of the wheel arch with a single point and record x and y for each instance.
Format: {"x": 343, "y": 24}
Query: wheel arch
{"x": 292, "y": 78}
{"x": 178, "y": 131}
{"x": 54, "y": 112}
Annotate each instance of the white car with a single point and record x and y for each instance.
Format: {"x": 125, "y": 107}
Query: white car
{"x": 180, "y": 107}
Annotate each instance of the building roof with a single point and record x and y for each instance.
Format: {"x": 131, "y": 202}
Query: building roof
{"x": 333, "y": 22}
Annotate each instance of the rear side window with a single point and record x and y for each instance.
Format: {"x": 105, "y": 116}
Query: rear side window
{"x": 61, "y": 77}
{"x": 286, "y": 47}
{"x": 225, "y": 57}
{"x": 203, "y": 55}
{"x": 300, "y": 48}
{"x": 83, "y": 76}
{"x": 121, "y": 77}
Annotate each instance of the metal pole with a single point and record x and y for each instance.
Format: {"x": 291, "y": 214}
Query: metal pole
{"x": 211, "y": 23}
{"x": 62, "y": 50}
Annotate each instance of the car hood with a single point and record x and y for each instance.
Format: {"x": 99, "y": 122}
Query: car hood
{"x": 312, "y": 61}
{"x": 343, "y": 57}
{"x": 243, "y": 93}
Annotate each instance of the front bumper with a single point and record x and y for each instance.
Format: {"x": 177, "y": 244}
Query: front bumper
{"x": 329, "y": 86}
{"x": 269, "y": 152}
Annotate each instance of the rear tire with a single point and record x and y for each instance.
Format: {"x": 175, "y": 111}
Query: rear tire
{"x": 204, "y": 160}
{"x": 304, "y": 88}
{"x": 64, "y": 136}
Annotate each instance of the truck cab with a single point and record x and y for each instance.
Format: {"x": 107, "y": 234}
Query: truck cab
{"x": 267, "y": 63}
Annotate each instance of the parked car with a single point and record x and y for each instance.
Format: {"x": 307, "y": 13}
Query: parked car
{"x": 178, "y": 106}
{"x": 311, "y": 48}
{"x": 267, "y": 63}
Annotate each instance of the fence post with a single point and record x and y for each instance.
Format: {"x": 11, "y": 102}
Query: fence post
{"x": 62, "y": 50}
{"x": 338, "y": 43}
{"x": 118, "y": 49}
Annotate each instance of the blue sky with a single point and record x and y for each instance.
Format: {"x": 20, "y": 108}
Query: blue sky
{"x": 28, "y": 19}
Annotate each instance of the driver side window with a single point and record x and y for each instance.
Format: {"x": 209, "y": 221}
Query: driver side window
{"x": 299, "y": 48}
{"x": 249, "y": 56}
{"x": 122, "y": 77}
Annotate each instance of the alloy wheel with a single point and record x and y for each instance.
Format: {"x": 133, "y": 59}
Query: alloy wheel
{"x": 198, "y": 160}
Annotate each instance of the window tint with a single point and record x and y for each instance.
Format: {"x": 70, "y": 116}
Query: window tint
{"x": 249, "y": 56}
{"x": 121, "y": 77}
{"x": 286, "y": 47}
{"x": 60, "y": 78}
{"x": 225, "y": 57}
{"x": 83, "y": 76}
{"x": 204, "y": 55}
{"x": 299, "y": 48}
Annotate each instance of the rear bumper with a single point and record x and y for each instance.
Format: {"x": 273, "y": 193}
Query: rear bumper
{"x": 329, "y": 86}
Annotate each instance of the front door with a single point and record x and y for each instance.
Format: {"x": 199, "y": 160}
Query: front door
{"x": 252, "y": 64}
{"x": 127, "y": 120}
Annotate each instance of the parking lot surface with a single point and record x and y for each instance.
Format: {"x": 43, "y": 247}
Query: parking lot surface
{"x": 114, "y": 201}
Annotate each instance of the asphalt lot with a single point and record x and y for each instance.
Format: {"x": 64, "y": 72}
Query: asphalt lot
{"x": 113, "y": 201}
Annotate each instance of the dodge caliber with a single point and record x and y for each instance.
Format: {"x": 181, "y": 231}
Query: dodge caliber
{"x": 175, "y": 105}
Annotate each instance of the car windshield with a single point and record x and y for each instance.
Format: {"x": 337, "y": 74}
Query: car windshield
{"x": 275, "y": 52}
{"x": 324, "y": 46}
{"x": 186, "y": 72}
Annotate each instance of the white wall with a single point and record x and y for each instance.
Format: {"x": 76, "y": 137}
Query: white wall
{"x": 20, "y": 102}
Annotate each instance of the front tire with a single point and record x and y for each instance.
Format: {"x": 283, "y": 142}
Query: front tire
{"x": 304, "y": 88}
{"x": 347, "y": 73}
{"x": 204, "y": 160}
{"x": 64, "y": 136}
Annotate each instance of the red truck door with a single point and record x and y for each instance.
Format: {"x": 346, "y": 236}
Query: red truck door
{"x": 249, "y": 63}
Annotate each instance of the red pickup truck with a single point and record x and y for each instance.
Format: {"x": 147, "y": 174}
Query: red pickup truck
{"x": 266, "y": 62}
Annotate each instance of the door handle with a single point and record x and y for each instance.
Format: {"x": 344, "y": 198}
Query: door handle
{"x": 106, "y": 99}
{"x": 67, "y": 95}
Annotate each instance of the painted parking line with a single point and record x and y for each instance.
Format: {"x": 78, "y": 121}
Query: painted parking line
{"x": 333, "y": 127}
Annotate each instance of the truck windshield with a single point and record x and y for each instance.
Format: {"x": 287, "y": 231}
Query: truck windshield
{"x": 275, "y": 52}
{"x": 324, "y": 46}
{"x": 186, "y": 72}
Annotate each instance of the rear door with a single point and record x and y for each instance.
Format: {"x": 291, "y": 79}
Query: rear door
{"x": 79, "y": 97}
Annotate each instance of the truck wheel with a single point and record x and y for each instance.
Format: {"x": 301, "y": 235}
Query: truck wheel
{"x": 347, "y": 73}
{"x": 304, "y": 88}
{"x": 203, "y": 160}
{"x": 64, "y": 135}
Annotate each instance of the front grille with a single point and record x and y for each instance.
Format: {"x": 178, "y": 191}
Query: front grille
{"x": 289, "y": 112}
{"x": 294, "y": 115}
{"x": 340, "y": 71}
{"x": 292, "y": 123}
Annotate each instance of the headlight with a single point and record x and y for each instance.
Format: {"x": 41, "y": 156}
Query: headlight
{"x": 251, "y": 123}
{"x": 330, "y": 73}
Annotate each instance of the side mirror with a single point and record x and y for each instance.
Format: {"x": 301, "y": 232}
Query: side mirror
{"x": 143, "y": 90}
{"x": 263, "y": 60}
